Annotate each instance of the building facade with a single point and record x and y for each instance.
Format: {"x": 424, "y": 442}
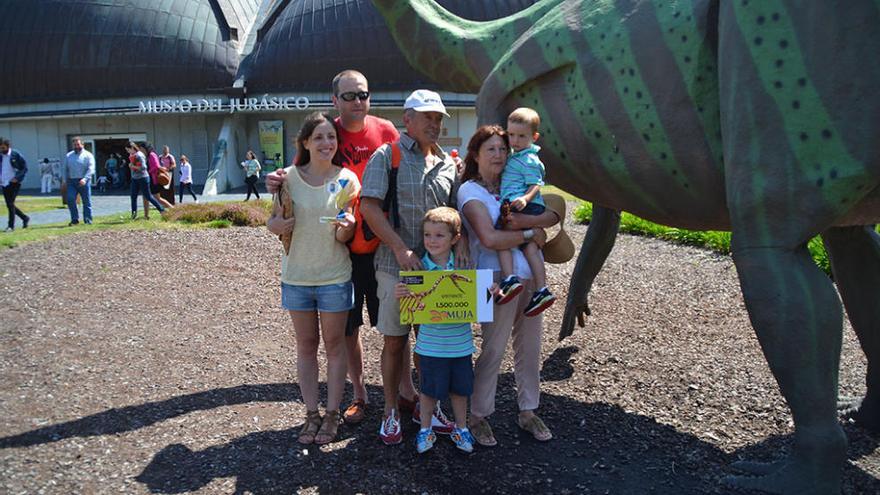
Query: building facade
{"x": 211, "y": 79}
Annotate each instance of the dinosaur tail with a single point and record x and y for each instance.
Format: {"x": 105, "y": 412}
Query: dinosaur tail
{"x": 454, "y": 52}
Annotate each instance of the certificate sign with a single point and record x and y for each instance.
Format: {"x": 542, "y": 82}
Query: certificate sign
{"x": 454, "y": 296}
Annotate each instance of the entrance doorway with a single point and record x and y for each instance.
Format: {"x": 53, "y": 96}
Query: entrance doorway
{"x": 111, "y": 159}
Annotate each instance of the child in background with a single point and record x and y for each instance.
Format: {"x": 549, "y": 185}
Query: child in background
{"x": 102, "y": 183}
{"x": 521, "y": 184}
{"x": 444, "y": 349}
{"x": 186, "y": 181}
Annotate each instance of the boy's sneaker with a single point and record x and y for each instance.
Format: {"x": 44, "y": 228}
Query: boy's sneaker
{"x": 390, "y": 432}
{"x": 463, "y": 439}
{"x": 439, "y": 423}
{"x": 509, "y": 288}
{"x": 425, "y": 440}
{"x": 541, "y": 300}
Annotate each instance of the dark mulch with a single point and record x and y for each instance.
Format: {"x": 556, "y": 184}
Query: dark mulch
{"x": 160, "y": 362}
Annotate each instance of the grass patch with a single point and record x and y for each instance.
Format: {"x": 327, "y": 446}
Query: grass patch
{"x": 555, "y": 190}
{"x": 188, "y": 216}
{"x": 250, "y": 214}
{"x": 34, "y": 204}
{"x": 717, "y": 241}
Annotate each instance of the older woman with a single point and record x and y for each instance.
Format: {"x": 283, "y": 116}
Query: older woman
{"x": 478, "y": 200}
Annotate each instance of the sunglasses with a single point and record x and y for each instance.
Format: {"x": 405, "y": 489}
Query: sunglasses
{"x": 351, "y": 95}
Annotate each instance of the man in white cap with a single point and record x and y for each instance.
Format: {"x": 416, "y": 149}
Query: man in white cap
{"x": 426, "y": 179}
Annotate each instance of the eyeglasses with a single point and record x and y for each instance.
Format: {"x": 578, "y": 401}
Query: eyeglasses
{"x": 351, "y": 95}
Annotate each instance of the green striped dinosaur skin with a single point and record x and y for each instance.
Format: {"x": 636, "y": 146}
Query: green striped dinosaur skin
{"x": 755, "y": 116}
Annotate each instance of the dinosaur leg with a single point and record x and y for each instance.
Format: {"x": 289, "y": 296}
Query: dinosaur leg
{"x": 798, "y": 320}
{"x": 597, "y": 245}
{"x": 855, "y": 261}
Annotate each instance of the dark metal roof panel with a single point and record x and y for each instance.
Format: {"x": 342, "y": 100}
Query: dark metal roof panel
{"x": 82, "y": 49}
{"x": 312, "y": 40}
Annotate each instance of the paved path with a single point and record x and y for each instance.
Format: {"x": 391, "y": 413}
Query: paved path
{"x": 116, "y": 203}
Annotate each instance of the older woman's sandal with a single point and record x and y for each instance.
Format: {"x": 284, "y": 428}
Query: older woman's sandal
{"x": 535, "y": 426}
{"x": 310, "y": 428}
{"x": 482, "y": 433}
{"x": 329, "y": 428}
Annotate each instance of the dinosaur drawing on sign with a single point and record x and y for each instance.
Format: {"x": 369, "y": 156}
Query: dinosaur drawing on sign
{"x": 758, "y": 117}
{"x": 415, "y": 301}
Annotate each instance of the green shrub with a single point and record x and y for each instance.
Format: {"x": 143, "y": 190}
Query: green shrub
{"x": 714, "y": 240}
{"x": 220, "y": 224}
{"x": 251, "y": 214}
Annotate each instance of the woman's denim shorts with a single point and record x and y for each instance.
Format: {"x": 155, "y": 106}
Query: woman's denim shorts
{"x": 332, "y": 298}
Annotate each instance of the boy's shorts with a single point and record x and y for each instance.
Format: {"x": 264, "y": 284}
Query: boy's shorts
{"x": 363, "y": 277}
{"x": 333, "y": 298}
{"x": 533, "y": 209}
{"x": 438, "y": 377}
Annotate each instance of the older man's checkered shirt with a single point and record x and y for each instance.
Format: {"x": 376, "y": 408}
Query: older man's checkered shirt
{"x": 419, "y": 188}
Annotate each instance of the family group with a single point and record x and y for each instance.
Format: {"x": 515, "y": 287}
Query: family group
{"x": 408, "y": 205}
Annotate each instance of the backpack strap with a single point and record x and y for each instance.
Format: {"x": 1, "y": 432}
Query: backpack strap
{"x": 390, "y": 203}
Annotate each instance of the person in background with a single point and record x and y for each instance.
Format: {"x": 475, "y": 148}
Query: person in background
{"x": 140, "y": 181}
{"x": 78, "y": 172}
{"x": 153, "y": 166}
{"x": 102, "y": 183}
{"x": 186, "y": 181}
{"x": 13, "y": 168}
{"x": 110, "y": 166}
{"x": 168, "y": 164}
{"x": 46, "y": 177}
{"x": 316, "y": 285}
{"x": 252, "y": 169}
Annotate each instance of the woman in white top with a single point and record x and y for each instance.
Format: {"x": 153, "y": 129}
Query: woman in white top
{"x": 479, "y": 202}
{"x": 186, "y": 180}
{"x": 252, "y": 169}
{"x": 316, "y": 272}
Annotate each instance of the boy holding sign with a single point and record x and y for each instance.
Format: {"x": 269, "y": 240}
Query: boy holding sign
{"x": 444, "y": 349}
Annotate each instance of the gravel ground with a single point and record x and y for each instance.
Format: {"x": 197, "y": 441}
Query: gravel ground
{"x": 160, "y": 362}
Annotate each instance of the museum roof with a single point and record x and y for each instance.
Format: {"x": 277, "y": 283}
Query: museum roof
{"x": 81, "y": 49}
{"x": 310, "y": 41}
{"x": 62, "y": 50}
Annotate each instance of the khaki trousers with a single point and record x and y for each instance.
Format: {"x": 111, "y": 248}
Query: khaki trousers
{"x": 509, "y": 321}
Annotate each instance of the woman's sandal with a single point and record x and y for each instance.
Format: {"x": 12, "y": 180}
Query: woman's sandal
{"x": 329, "y": 428}
{"x": 536, "y": 427}
{"x": 482, "y": 433}
{"x": 310, "y": 428}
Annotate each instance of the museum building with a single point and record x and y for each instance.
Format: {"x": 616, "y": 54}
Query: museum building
{"x": 209, "y": 78}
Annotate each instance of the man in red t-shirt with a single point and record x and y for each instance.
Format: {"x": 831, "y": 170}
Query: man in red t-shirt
{"x": 360, "y": 134}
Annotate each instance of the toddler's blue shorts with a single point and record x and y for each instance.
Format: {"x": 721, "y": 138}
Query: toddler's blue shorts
{"x": 440, "y": 376}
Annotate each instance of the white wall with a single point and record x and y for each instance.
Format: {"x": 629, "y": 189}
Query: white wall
{"x": 193, "y": 135}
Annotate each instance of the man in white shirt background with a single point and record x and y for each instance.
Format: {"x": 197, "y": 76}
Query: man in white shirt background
{"x": 78, "y": 172}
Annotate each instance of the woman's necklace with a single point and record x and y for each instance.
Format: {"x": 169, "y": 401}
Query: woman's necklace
{"x": 491, "y": 188}
{"x": 315, "y": 176}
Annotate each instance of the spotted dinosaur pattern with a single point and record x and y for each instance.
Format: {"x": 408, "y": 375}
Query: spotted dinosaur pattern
{"x": 754, "y": 116}
{"x": 414, "y": 302}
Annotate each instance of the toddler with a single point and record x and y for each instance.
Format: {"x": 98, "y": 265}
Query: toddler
{"x": 521, "y": 184}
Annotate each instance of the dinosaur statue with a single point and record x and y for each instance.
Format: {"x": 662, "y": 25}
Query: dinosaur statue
{"x": 758, "y": 117}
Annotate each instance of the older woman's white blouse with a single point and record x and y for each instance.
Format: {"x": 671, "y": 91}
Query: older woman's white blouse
{"x": 481, "y": 256}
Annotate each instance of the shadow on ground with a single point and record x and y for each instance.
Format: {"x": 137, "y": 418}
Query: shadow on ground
{"x": 598, "y": 448}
